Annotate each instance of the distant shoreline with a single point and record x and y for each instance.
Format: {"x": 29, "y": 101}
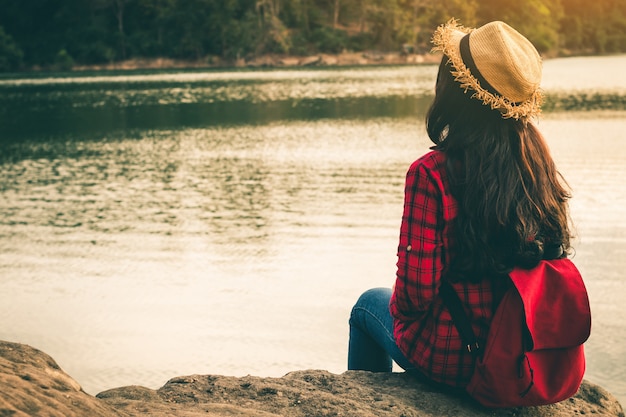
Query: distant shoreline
{"x": 265, "y": 61}
{"x": 368, "y": 58}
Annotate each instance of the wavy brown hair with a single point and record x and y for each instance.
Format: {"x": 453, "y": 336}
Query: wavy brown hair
{"x": 513, "y": 203}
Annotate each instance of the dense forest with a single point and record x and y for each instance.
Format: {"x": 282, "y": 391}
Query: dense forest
{"x": 58, "y": 34}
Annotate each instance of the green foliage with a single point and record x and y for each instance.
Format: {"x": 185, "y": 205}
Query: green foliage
{"x": 240, "y": 37}
{"x": 10, "y": 54}
{"x": 64, "y": 61}
{"x": 594, "y": 27}
{"x": 329, "y": 40}
{"x": 536, "y": 19}
{"x": 361, "y": 42}
{"x": 61, "y": 33}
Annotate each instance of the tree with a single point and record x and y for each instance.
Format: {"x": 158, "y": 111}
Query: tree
{"x": 594, "y": 27}
{"x": 274, "y": 34}
{"x": 118, "y": 9}
{"x": 536, "y": 19}
{"x": 157, "y": 21}
{"x": 336, "y": 6}
{"x": 10, "y": 54}
{"x": 57, "y": 33}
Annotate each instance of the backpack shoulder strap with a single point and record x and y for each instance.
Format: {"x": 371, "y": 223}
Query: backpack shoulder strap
{"x": 459, "y": 316}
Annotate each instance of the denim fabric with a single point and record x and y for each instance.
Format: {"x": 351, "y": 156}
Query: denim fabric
{"x": 372, "y": 346}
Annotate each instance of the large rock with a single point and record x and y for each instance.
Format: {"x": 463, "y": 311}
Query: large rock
{"x": 32, "y": 384}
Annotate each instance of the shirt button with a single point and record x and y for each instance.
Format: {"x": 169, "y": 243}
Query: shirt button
{"x": 408, "y": 248}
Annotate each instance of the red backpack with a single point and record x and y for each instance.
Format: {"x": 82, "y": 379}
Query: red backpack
{"x": 534, "y": 351}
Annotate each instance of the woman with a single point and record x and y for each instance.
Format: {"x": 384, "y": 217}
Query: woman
{"x": 485, "y": 199}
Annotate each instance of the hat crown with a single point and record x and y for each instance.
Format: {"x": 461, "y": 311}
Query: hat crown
{"x": 507, "y": 60}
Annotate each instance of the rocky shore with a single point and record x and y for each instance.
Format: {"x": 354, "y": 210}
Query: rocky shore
{"x": 32, "y": 384}
{"x": 272, "y": 61}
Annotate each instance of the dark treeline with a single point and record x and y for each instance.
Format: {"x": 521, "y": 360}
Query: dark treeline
{"x": 60, "y": 33}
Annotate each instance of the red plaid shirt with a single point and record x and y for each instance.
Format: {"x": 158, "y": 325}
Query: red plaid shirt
{"x": 423, "y": 328}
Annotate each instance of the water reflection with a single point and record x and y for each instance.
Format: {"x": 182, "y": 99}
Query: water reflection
{"x": 227, "y": 183}
{"x": 100, "y": 104}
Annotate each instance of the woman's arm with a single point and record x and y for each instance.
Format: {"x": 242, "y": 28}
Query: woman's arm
{"x": 420, "y": 252}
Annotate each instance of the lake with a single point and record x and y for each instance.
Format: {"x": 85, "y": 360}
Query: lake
{"x": 156, "y": 224}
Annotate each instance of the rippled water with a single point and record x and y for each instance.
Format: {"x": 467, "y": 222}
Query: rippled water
{"x": 162, "y": 224}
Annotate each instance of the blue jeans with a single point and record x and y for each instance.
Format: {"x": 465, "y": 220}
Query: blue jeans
{"x": 372, "y": 346}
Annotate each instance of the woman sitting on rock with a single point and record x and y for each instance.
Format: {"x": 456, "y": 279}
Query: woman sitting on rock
{"x": 486, "y": 198}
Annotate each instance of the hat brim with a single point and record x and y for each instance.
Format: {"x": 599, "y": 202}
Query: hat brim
{"x": 447, "y": 39}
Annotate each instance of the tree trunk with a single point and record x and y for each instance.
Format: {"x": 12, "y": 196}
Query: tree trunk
{"x": 336, "y": 15}
{"x": 305, "y": 15}
{"x": 416, "y": 4}
{"x": 119, "y": 14}
{"x": 362, "y": 17}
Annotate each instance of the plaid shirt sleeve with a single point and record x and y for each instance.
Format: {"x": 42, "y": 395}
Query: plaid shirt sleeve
{"x": 420, "y": 262}
{"x": 423, "y": 328}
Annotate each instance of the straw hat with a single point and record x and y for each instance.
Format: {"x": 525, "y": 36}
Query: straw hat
{"x": 497, "y": 63}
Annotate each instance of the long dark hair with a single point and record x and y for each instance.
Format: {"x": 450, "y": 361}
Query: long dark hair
{"x": 513, "y": 208}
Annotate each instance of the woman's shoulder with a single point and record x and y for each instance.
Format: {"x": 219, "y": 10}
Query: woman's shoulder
{"x": 430, "y": 167}
{"x": 431, "y": 161}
